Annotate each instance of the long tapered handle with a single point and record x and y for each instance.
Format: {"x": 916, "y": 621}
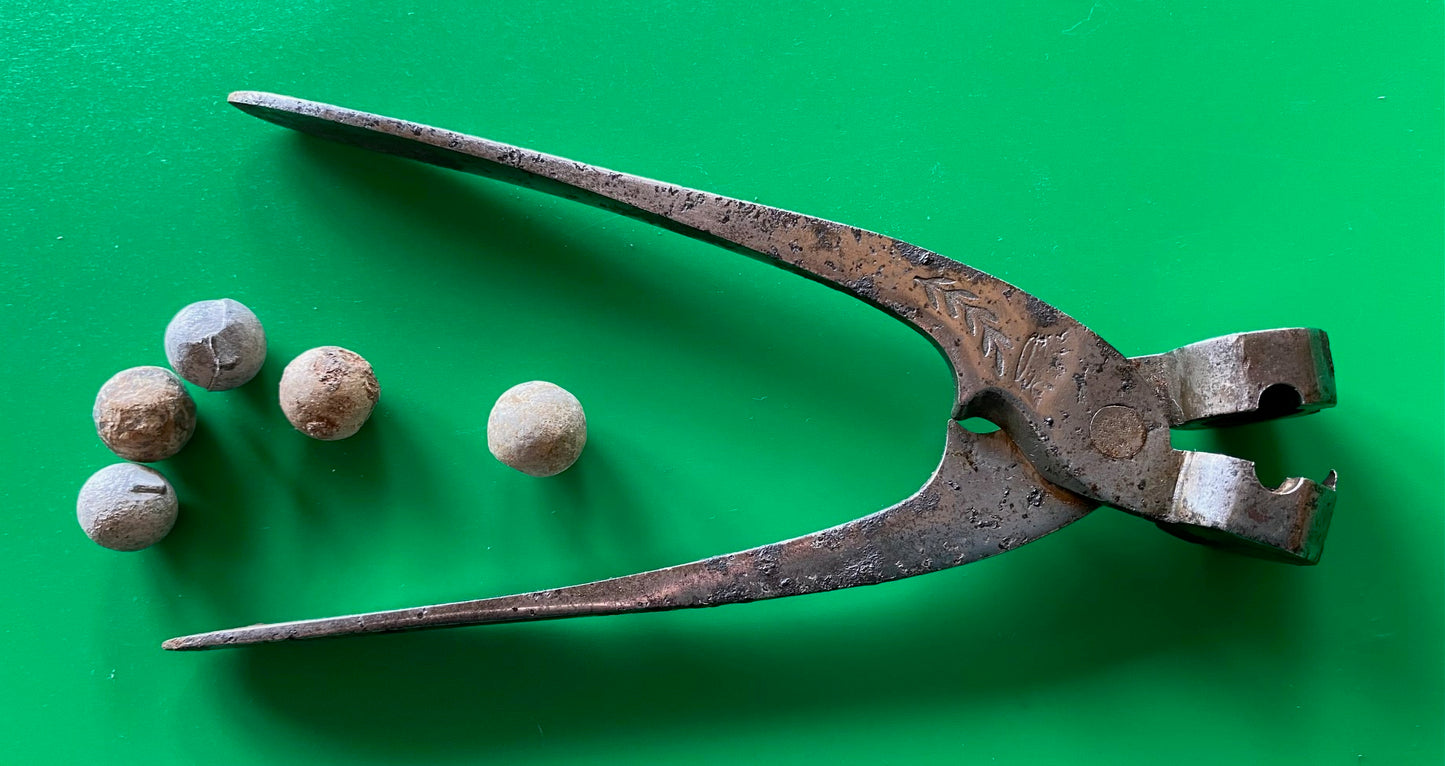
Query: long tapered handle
{"x": 984, "y": 499}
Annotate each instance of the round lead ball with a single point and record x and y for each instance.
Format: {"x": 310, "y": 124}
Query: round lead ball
{"x": 144, "y": 414}
{"x": 537, "y": 428}
{"x": 218, "y": 345}
{"x": 328, "y": 393}
{"x": 127, "y": 507}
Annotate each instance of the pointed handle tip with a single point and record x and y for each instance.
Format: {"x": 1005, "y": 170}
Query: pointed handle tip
{"x": 196, "y": 642}
{"x": 253, "y": 96}
{"x": 183, "y": 644}
{"x": 248, "y": 99}
{"x": 216, "y": 639}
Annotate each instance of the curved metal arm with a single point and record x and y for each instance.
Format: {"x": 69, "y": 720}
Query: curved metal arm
{"x": 1015, "y": 359}
{"x": 983, "y": 499}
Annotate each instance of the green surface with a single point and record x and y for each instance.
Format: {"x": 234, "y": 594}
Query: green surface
{"x": 1165, "y": 172}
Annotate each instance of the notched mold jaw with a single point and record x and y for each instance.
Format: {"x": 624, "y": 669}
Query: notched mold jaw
{"x": 1246, "y": 377}
{"x": 1218, "y": 501}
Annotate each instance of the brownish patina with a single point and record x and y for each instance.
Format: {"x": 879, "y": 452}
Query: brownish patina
{"x": 1082, "y": 424}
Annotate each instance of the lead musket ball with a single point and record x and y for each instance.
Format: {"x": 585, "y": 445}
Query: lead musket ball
{"x": 328, "y": 393}
{"x": 537, "y": 428}
{"x": 126, "y": 507}
{"x": 218, "y": 345}
{"x": 144, "y": 414}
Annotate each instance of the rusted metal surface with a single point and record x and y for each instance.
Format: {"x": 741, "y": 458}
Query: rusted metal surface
{"x": 1083, "y": 425}
{"x": 984, "y": 499}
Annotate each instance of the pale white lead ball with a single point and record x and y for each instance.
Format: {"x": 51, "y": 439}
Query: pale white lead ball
{"x": 537, "y": 428}
{"x": 126, "y": 507}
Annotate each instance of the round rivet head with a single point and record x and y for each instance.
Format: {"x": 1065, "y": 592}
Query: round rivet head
{"x": 1117, "y": 431}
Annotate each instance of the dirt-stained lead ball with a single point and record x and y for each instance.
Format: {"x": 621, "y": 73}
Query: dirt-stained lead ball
{"x": 328, "y": 393}
{"x": 144, "y": 414}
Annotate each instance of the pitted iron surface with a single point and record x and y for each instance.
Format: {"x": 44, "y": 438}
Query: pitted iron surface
{"x": 1082, "y": 424}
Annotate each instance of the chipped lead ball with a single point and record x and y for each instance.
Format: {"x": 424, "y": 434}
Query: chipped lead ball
{"x": 328, "y": 392}
{"x": 126, "y": 507}
{"x": 537, "y": 428}
{"x": 217, "y": 345}
{"x": 144, "y": 414}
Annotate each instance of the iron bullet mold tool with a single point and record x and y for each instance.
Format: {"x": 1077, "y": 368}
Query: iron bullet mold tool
{"x": 1082, "y": 424}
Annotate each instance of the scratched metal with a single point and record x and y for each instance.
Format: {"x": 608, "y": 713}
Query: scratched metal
{"x": 984, "y": 499}
{"x": 1085, "y": 425}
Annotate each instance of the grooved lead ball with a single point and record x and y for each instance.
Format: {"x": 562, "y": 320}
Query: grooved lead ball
{"x": 126, "y": 507}
{"x": 144, "y": 414}
{"x": 537, "y": 428}
{"x": 328, "y": 393}
{"x": 217, "y": 345}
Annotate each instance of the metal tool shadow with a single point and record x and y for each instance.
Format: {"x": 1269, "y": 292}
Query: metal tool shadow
{"x": 1080, "y": 607}
{"x": 570, "y": 271}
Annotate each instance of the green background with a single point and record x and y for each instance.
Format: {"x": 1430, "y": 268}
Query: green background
{"x": 1165, "y": 172}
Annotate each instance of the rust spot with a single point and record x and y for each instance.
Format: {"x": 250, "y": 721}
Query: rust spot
{"x": 1042, "y": 313}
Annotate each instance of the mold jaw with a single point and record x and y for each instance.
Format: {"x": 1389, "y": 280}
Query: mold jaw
{"x": 1246, "y": 377}
{"x": 1219, "y": 501}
